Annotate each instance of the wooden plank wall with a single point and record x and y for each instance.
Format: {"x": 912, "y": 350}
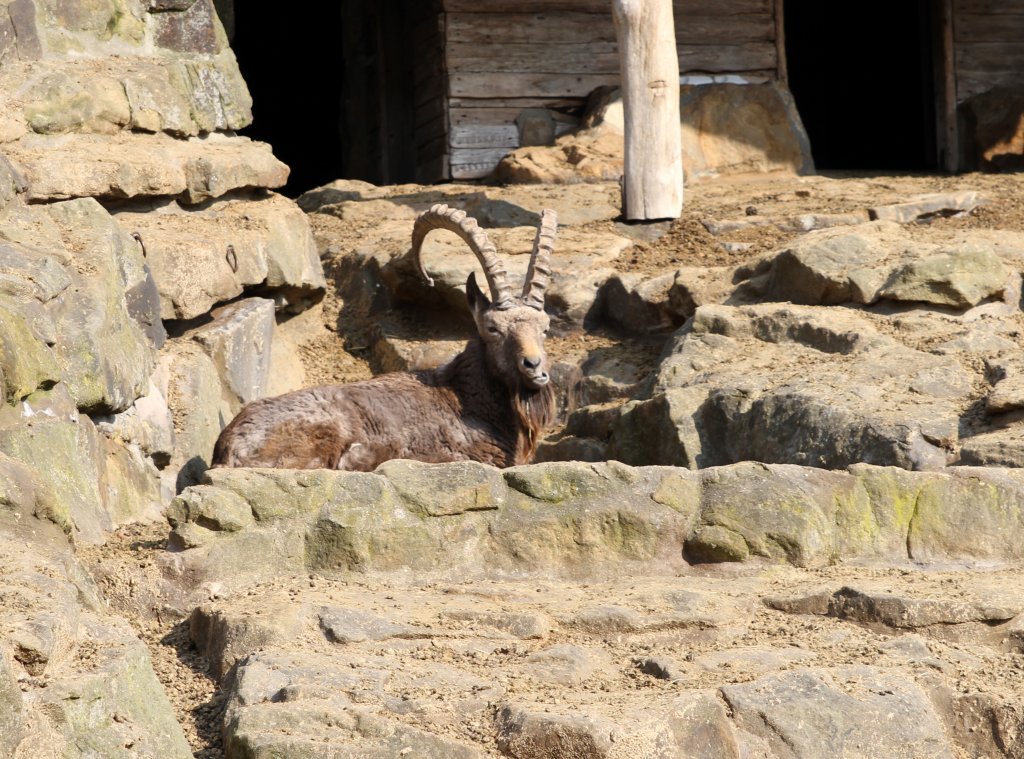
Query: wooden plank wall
{"x": 505, "y": 55}
{"x": 988, "y": 44}
{"x": 431, "y": 102}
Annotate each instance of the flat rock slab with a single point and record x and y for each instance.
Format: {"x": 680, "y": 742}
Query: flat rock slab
{"x": 128, "y": 165}
{"x": 753, "y": 681}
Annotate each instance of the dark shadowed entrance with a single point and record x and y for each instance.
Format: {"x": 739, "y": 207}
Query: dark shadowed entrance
{"x": 863, "y": 75}
{"x": 333, "y": 86}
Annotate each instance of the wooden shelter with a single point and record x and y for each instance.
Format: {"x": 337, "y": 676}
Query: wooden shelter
{"x": 435, "y": 89}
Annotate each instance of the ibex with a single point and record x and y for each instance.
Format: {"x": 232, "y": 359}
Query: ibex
{"x": 490, "y": 403}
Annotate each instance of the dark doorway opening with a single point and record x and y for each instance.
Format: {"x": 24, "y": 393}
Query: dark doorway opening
{"x": 863, "y": 77}
{"x": 332, "y": 90}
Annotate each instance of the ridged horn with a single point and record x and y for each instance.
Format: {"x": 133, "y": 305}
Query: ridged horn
{"x": 455, "y": 220}
{"x": 539, "y": 273}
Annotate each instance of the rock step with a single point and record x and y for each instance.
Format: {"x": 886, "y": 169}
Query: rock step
{"x": 132, "y": 165}
{"x": 573, "y": 519}
{"x": 706, "y": 664}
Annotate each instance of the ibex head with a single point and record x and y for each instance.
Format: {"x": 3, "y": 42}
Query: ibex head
{"x": 512, "y": 328}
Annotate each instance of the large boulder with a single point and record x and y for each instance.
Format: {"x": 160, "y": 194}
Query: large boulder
{"x": 207, "y": 255}
{"x": 792, "y": 384}
{"x": 726, "y": 129}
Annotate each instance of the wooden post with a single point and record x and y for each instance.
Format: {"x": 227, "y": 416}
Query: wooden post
{"x": 653, "y": 178}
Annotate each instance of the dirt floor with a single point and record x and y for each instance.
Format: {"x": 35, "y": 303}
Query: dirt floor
{"x": 972, "y": 658}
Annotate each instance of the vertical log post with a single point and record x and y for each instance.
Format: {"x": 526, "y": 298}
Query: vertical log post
{"x": 653, "y": 179}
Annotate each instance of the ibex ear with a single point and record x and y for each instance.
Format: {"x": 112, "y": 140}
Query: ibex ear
{"x": 478, "y": 302}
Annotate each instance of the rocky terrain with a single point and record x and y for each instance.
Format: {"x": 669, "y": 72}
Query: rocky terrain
{"x": 780, "y": 514}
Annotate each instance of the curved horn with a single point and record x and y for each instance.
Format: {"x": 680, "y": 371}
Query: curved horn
{"x": 539, "y": 273}
{"x": 454, "y": 220}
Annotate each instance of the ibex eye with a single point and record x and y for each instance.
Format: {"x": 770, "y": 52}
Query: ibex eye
{"x": 493, "y": 330}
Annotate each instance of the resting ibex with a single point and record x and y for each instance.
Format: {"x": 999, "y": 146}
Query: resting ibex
{"x": 490, "y": 403}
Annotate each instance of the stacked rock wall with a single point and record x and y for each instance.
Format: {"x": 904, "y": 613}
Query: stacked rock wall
{"x": 144, "y": 259}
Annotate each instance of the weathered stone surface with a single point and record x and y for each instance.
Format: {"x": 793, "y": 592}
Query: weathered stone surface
{"x": 856, "y": 712}
{"x": 882, "y": 261}
{"x": 61, "y": 447}
{"x": 564, "y": 664}
{"x": 115, "y": 706}
{"x": 105, "y": 357}
{"x": 239, "y": 342}
{"x": 204, "y": 256}
{"x": 528, "y": 734}
{"x": 193, "y": 29}
{"x": 26, "y": 362}
{"x": 201, "y": 407}
{"x": 871, "y": 607}
{"x": 12, "y": 721}
{"x": 586, "y": 520}
{"x": 354, "y": 626}
{"x": 225, "y": 636}
{"x": 1001, "y": 447}
{"x": 70, "y": 166}
{"x": 726, "y": 128}
{"x": 927, "y": 206}
{"x": 961, "y": 279}
{"x": 298, "y": 705}
{"x": 843, "y": 411}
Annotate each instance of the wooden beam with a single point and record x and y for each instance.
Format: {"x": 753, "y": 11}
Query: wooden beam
{"x": 946, "y": 122}
{"x": 653, "y": 175}
{"x": 782, "y": 69}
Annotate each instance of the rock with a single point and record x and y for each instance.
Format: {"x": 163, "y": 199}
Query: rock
{"x": 105, "y": 357}
{"x": 74, "y": 165}
{"x": 239, "y": 342}
{"x": 972, "y": 512}
{"x": 998, "y": 448}
{"x": 194, "y": 29}
{"x": 62, "y": 448}
{"x": 852, "y": 711}
{"x": 1008, "y": 391}
{"x": 841, "y": 412}
{"x": 12, "y": 722}
{"x": 531, "y": 734}
{"x": 27, "y": 363}
{"x": 353, "y": 626}
{"x": 640, "y": 305}
{"x": 785, "y": 513}
{"x": 200, "y": 257}
{"x": 526, "y": 626}
{"x": 927, "y": 207}
{"x": 226, "y": 635}
{"x": 148, "y": 424}
{"x": 753, "y": 659}
{"x": 726, "y": 129}
{"x": 608, "y": 619}
{"x": 201, "y": 410}
{"x": 565, "y": 665}
{"x": 694, "y": 724}
{"x": 960, "y": 279}
{"x": 992, "y": 127}
{"x": 295, "y": 704}
{"x": 900, "y": 612}
{"x": 714, "y": 543}
{"x": 881, "y": 261}
{"x": 115, "y": 704}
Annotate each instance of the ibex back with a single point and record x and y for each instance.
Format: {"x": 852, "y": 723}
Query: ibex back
{"x": 490, "y": 403}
